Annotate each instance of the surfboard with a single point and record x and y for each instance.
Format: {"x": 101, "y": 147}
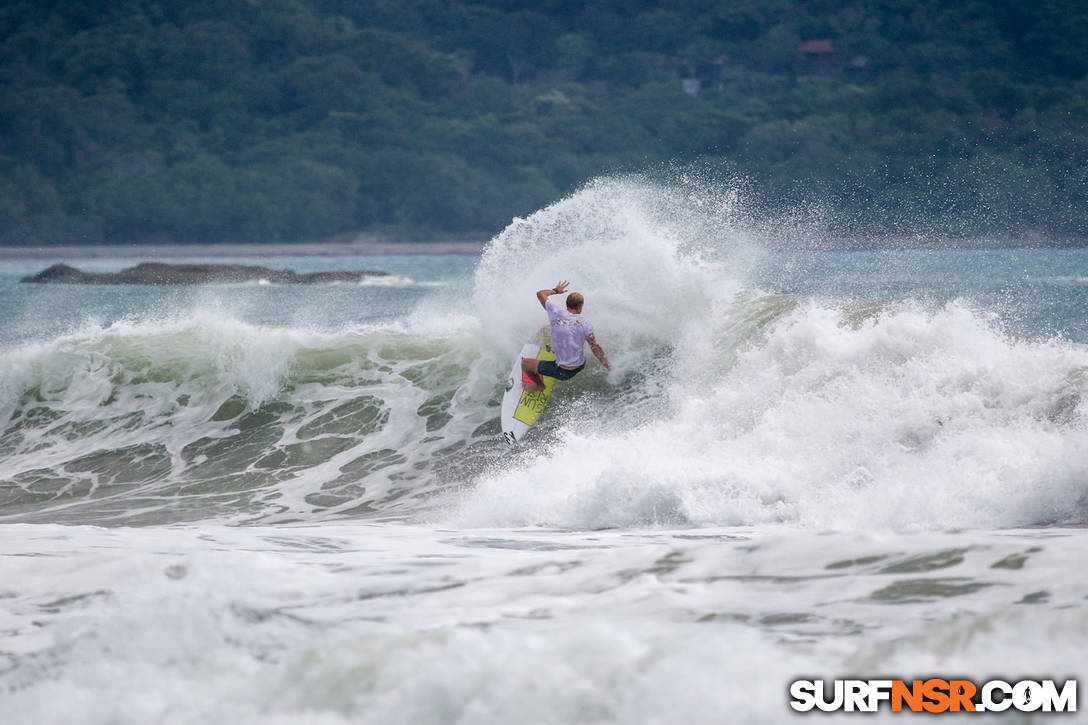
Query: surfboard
{"x": 521, "y": 409}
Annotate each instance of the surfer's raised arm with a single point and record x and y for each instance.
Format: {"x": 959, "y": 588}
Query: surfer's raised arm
{"x": 543, "y": 295}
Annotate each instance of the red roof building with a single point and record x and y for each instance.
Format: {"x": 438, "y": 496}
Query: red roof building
{"x": 817, "y": 47}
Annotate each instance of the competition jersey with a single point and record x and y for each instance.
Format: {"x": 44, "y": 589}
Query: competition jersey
{"x": 569, "y": 333}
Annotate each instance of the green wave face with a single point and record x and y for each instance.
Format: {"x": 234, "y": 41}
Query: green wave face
{"x": 154, "y": 425}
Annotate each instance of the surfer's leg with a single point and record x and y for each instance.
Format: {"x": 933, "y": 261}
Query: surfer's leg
{"x": 529, "y": 366}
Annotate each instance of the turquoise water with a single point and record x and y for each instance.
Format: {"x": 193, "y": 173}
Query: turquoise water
{"x": 1035, "y": 291}
{"x": 42, "y": 312}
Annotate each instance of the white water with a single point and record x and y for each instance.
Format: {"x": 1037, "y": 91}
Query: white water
{"x": 740, "y": 407}
{"x": 402, "y": 624}
{"x": 909, "y": 419}
{"x": 727, "y": 405}
{"x": 329, "y": 528}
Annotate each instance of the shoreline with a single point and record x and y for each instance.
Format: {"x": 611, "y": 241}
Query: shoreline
{"x": 302, "y": 249}
{"x": 371, "y": 247}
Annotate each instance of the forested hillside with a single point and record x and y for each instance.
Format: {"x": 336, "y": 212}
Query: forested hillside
{"x": 269, "y": 120}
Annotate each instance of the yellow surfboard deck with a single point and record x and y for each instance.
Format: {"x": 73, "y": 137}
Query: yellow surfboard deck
{"x": 532, "y": 405}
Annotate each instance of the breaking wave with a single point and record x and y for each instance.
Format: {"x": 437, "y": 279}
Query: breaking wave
{"x": 727, "y": 405}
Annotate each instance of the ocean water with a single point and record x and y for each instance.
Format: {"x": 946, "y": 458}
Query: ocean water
{"x": 262, "y": 504}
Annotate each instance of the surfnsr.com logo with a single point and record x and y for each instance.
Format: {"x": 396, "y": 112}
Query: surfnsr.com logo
{"x": 933, "y": 695}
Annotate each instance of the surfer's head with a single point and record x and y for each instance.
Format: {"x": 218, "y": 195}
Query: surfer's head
{"x": 575, "y": 301}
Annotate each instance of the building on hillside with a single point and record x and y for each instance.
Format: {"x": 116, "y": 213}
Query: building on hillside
{"x": 697, "y": 77}
{"x": 818, "y": 56}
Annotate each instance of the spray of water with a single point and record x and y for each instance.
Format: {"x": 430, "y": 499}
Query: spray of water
{"x": 726, "y": 405}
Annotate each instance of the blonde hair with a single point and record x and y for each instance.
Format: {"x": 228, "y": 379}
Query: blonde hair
{"x": 575, "y": 301}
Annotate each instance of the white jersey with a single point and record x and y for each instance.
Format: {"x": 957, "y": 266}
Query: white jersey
{"x": 569, "y": 333}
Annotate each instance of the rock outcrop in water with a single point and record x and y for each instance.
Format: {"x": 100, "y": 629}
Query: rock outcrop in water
{"x": 161, "y": 273}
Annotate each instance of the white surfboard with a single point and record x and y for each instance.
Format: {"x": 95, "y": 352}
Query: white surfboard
{"x": 519, "y": 408}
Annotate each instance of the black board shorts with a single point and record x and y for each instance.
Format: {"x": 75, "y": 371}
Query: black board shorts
{"x": 552, "y": 370}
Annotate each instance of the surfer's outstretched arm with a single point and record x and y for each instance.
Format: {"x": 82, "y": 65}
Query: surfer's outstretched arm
{"x": 598, "y": 351}
{"x": 544, "y": 294}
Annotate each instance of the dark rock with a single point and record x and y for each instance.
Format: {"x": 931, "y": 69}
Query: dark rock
{"x": 56, "y": 273}
{"x": 161, "y": 273}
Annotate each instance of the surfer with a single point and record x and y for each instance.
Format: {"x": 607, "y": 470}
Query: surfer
{"x": 570, "y": 333}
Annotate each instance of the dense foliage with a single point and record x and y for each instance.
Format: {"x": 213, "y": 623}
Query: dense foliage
{"x": 260, "y": 120}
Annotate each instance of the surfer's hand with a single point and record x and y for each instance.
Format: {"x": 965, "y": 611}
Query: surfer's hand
{"x": 561, "y": 287}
